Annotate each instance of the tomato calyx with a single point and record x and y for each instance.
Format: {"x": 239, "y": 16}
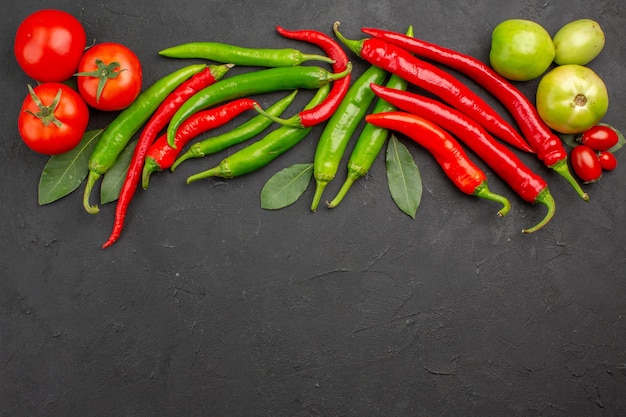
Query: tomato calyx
{"x": 104, "y": 73}
{"x": 45, "y": 113}
{"x": 580, "y": 100}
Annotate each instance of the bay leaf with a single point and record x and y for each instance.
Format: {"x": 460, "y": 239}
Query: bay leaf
{"x": 64, "y": 173}
{"x": 569, "y": 139}
{"x": 114, "y": 178}
{"x": 286, "y": 186}
{"x": 403, "y": 177}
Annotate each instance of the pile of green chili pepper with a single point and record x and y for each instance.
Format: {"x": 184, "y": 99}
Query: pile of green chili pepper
{"x": 199, "y": 97}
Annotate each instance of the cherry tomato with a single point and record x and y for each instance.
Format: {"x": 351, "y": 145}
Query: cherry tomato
{"x": 585, "y": 164}
{"x": 48, "y": 45}
{"x": 599, "y": 138}
{"x": 53, "y": 118}
{"x": 608, "y": 161}
{"x": 109, "y": 76}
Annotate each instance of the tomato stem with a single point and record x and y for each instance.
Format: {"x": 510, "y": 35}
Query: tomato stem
{"x": 45, "y": 113}
{"x": 104, "y": 73}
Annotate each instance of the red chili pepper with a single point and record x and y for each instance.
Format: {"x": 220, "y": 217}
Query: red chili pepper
{"x": 157, "y": 122}
{"x": 548, "y": 147}
{"x": 441, "y": 83}
{"x": 321, "y": 112}
{"x": 161, "y": 155}
{"x": 454, "y": 161}
{"x": 526, "y": 183}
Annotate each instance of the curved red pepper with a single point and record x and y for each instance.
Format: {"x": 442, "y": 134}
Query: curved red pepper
{"x": 548, "y": 147}
{"x": 154, "y": 125}
{"x": 441, "y": 83}
{"x": 454, "y": 161}
{"x": 527, "y": 184}
{"x": 161, "y": 155}
{"x": 321, "y": 112}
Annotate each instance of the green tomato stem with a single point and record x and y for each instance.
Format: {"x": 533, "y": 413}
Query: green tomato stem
{"x": 104, "y": 73}
{"x": 45, "y": 113}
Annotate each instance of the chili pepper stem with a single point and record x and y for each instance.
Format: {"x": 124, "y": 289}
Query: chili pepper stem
{"x": 91, "y": 181}
{"x": 295, "y": 120}
{"x": 217, "y": 171}
{"x": 351, "y": 178}
{"x": 318, "y": 57}
{"x": 149, "y": 166}
{"x": 547, "y": 200}
{"x": 353, "y": 45}
{"x": 483, "y": 191}
{"x": 193, "y": 152}
{"x": 320, "y": 186}
{"x": 562, "y": 169}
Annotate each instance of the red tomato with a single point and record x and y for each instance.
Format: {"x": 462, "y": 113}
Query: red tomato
{"x": 53, "y": 118}
{"x": 109, "y": 76}
{"x": 599, "y": 138}
{"x": 48, "y": 45}
{"x": 608, "y": 161}
{"x": 586, "y": 164}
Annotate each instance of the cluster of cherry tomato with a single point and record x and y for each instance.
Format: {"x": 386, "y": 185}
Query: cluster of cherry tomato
{"x": 593, "y": 154}
{"x": 50, "y": 47}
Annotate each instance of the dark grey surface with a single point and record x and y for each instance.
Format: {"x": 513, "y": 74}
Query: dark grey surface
{"x": 210, "y": 306}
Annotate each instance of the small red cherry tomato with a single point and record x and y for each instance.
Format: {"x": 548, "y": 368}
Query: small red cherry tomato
{"x": 608, "y": 161}
{"x": 53, "y": 118}
{"x": 599, "y": 138}
{"x": 48, "y": 45}
{"x": 109, "y": 76}
{"x": 585, "y": 163}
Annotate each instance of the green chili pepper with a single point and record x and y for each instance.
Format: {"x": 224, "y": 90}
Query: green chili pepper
{"x": 371, "y": 140}
{"x": 121, "y": 130}
{"x": 368, "y": 145}
{"x": 256, "y": 82}
{"x": 238, "y": 55}
{"x": 242, "y": 133}
{"x": 264, "y": 151}
{"x": 340, "y": 127}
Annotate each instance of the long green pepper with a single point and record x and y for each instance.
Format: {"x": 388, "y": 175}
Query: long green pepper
{"x": 256, "y": 82}
{"x": 368, "y": 145}
{"x": 340, "y": 127}
{"x": 370, "y": 142}
{"x": 260, "y": 153}
{"x": 121, "y": 130}
{"x": 240, "y": 134}
{"x": 242, "y": 56}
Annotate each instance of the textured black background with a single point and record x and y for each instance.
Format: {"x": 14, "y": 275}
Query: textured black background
{"x": 210, "y": 306}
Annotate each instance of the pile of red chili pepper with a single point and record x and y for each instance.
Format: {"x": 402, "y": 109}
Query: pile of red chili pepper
{"x": 198, "y": 98}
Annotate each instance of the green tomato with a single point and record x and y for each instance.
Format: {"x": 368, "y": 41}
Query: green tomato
{"x": 521, "y": 50}
{"x": 578, "y": 42}
{"x": 571, "y": 98}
